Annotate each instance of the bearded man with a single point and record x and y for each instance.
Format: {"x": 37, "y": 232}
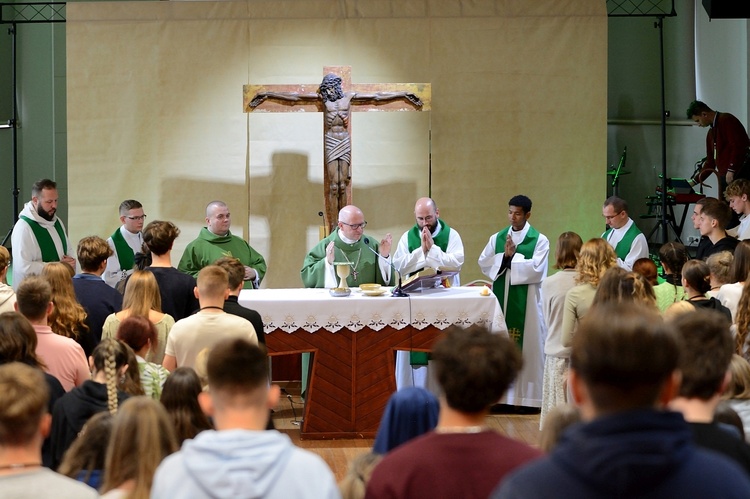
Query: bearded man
{"x": 39, "y": 236}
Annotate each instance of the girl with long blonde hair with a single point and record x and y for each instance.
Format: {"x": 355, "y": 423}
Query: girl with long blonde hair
{"x": 7, "y": 295}
{"x": 595, "y": 258}
{"x": 68, "y": 318}
{"x": 142, "y": 299}
{"x": 142, "y": 436}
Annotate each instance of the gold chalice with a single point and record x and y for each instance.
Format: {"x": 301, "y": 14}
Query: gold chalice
{"x": 343, "y": 270}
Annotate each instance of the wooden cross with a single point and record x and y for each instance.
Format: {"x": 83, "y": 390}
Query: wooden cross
{"x": 303, "y": 98}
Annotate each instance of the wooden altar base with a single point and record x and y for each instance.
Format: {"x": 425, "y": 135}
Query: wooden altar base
{"x": 352, "y": 375}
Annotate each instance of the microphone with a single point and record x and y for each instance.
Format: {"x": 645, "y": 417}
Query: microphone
{"x": 397, "y": 291}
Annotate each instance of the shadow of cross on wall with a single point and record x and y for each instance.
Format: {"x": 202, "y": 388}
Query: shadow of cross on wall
{"x": 290, "y": 204}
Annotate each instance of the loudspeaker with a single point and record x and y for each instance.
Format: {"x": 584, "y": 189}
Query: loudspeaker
{"x": 727, "y": 9}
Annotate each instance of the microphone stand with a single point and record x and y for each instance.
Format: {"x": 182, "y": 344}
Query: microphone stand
{"x": 398, "y": 291}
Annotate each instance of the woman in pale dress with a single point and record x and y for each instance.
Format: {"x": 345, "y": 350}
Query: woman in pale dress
{"x": 142, "y": 299}
{"x": 554, "y": 289}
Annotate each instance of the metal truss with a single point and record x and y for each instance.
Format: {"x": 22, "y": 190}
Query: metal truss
{"x": 32, "y": 12}
{"x": 640, "y": 8}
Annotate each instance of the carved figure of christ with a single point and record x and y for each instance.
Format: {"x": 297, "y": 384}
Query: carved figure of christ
{"x": 337, "y": 97}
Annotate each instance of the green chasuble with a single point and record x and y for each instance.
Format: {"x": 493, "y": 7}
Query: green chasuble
{"x": 623, "y": 247}
{"x": 125, "y": 255}
{"x": 209, "y": 247}
{"x": 46, "y": 244}
{"x": 363, "y": 261}
{"x": 515, "y": 308}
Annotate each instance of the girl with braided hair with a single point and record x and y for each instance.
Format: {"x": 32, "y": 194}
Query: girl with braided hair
{"x": 108, "y": 362}
{"x": 673, "y": 256}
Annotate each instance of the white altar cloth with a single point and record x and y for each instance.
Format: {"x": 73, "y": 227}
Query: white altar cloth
{"x": 313, "y": 309}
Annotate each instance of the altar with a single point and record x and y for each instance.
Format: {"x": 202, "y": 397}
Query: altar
{"x": 353, "y": 340}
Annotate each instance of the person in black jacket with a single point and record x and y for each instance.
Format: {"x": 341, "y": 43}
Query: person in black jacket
{"x": 100, "y": 393}
{"x": 236, "y": 272}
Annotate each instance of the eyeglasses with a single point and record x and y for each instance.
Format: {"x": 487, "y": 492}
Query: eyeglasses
{"x": 610, "y": 217}
{"x": 355, "y": 226}
{"x": 142, "y": 217}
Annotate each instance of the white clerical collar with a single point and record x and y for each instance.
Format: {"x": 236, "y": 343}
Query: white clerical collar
{"x": 346, "y": 239}
{"x": 217, "y": 235}
{"x": 125, "y": 232}
{"x": 624, "y": 228}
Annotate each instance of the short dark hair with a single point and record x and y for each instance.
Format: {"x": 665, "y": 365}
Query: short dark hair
{"x": 158, "y": 236}
{"x": 40, "y": 185}
{"x": 475, "y": 367}
{"x": 706, "y": 351}
{"x": 522, "y": 202}
{"x": 697, "y": 107}
{"x": 129, "y": 204}
{"x": 617, "y": 203}
{"x": 237, "y": 368}
{"x": 718, "y": 210}
{"x": 624, "y": 354}
{"x": 234, "y": 268}
{"x": 33, "y": 295}
{"x": 92, "y": 251}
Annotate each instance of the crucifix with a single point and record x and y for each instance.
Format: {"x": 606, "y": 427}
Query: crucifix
{"x": 336, "y": 97}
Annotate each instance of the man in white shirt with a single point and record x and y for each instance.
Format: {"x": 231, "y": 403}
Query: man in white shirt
{"x": 125, "y": 242}
{"x": 430, "y": 243}
{"x": 627, "y": 240}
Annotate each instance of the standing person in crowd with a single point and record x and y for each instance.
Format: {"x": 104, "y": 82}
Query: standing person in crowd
{"x": 24, "y": 422}
{"x": 706, "y": 351}
{"x": 96, "y": 298}
{"x": 737, "y": 195}
{"x": 729, "y": 294}
{"x": 429, "y": 243}
{"x": 410, "y": 412}
{"x": 474, "y": 367}
{"x": 100, "y": 393}
{"x": 7, "y": 295}
{"x": 68, "y": 318}
{"x": 713, "y": 221}
{"x": 142, "y": 436}
{"x": 633, "y": 447}
{"x": 622, "y": 287}
{"x": 18, "y": 344}
{"x": 672, "y": 256}
{"x": 216, "y": 240}
{"x": 39, "y": 235}
{"x": 63, "y": 357}
{"x": 203, "y": 330}
{"x": 737, "y": 393}
{"x": 696, "y": 279}
{"x": 140, "y": 335}
{"x": 348, "y": 244}
{"x": 84, "y": 459}
{"x": 177, "y": 289}
{"x": 142, "y": 299}
{"x": 719, "y": 264}
{"x": 180, "y": 399}
{"x": 703, "y": 242}
{"x": 647, "y": 268}
{"x": 726, "y": 143}
{"x": 554, "y": 289}
{"x": 125, "y": 242}
{"x": 595, "y": 259}
{"x": 239, "y": 458}
{"x": 515, "y": 259}
{"x": 235, "y": 271}
{"x": 625, "y": 237}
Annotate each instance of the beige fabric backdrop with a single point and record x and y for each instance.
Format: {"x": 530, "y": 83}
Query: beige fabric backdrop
{"x": 518, "y": 106}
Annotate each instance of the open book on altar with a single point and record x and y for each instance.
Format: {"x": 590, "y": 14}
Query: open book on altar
{"x": 428, "y": 278}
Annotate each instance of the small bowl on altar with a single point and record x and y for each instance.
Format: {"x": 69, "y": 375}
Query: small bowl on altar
{"x": 338, "y": 292}
{"x": 370, "y": 287}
